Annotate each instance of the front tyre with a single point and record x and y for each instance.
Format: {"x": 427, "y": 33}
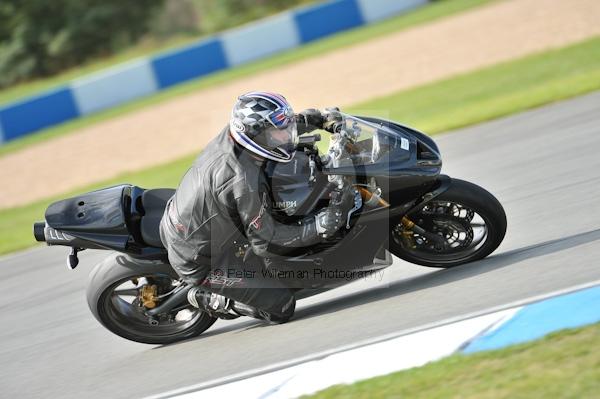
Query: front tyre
{"x": 470, "y": 221}
{"x": 121, "y": 288}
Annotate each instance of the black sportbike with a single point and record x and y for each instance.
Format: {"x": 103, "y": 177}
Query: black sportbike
{"x": 402, "y": 205}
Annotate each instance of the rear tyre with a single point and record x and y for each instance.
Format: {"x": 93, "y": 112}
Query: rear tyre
{"x": 471, "y": 221}
{"x": 113, "y": 295}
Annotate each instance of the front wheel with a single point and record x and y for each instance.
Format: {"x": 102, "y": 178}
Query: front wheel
{"x": 469, "y": 221}
{"x": 120, "y": 291}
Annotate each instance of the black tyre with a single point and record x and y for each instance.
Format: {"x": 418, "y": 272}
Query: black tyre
{"x": 471, "y": 221}
{"x": 113, "y": 295}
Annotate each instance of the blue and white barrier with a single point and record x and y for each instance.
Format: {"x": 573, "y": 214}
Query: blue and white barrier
{"x": 114, "y": 86}
{"x": 1, "y": 134}
{"x": 145, "y": 76}
{"x": 268, "y": 36}
{"x": 385, "y": 355}
{"x": 189, "y": 63}
{"x": 37, "y": 112}
{"x": 327, "y": 18}
{"x": 376, "y": 10}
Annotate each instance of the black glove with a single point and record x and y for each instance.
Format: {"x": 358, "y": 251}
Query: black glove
{"x": 328, "y": 221}
{"x": 332, "y": 119}
{"x": 309, "y": 120}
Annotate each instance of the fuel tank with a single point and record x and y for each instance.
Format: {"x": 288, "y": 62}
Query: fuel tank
{"x": 290, "y": 185}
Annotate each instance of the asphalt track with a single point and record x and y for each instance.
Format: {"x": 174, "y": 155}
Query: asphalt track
{"x": 542, "y": 165}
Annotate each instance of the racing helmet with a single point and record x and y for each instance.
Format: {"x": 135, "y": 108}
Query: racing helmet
{"x": 264, "y": 124}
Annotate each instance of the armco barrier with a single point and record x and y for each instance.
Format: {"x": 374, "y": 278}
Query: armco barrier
{"x": 123, "y": 83}
{"x": 189, "y": 63}
{"x": 114, "y": 86}
{"x": 46, "y": 109}
{"x": 327, "y": 18}
{"x": 268, "y": 36}
{"x": 1, "y": 133}
{"x": 375, "y": 10}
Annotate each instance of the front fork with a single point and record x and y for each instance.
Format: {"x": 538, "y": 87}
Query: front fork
{"x": 409, "y": 227}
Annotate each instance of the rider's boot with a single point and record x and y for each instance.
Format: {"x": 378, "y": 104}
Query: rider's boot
{"x": 223, "y": 307}
{"x": 215, "y": 304}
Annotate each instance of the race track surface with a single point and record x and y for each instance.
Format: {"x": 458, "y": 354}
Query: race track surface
{"x": 542, "y": 165}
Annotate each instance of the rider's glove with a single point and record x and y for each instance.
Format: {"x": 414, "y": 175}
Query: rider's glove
{"x": 309, "y": 120}
{"x": 332, "y": 119}
{"x": 328, "y": 221}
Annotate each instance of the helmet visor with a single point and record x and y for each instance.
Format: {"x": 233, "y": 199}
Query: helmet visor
{"x": 286, "y": 138}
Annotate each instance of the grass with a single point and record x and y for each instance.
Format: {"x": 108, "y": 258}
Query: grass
{"x": 451, "y": 103}
{"x": 561, "y": 365}
{"x": 421, "y": 15}
{"x": 496, "y": 91}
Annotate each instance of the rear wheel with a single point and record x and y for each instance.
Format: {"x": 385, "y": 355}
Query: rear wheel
{"x": 469, "y": 221}
{"x": 121, "y": 290}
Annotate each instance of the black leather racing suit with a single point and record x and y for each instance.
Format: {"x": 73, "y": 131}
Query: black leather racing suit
{"x": 225, "y": 196}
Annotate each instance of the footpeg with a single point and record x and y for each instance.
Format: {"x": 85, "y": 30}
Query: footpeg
{"x": 73, "y": 260}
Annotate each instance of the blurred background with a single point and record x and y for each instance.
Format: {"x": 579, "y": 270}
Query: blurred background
{"x": 79, "y": 33}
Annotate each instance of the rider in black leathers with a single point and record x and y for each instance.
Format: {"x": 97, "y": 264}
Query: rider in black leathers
{"x": 225, "y": 196}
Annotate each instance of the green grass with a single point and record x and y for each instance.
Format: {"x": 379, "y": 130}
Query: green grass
{"x": 496, "y": 91}
{"x": 455, "y": 102}
{"x": 421, "y": 15}
{"x": 562, "y": 365}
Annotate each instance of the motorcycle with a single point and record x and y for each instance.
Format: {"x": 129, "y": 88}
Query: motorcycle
{"x": 400, "y": 204}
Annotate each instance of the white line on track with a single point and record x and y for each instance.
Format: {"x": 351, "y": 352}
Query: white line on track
{"x": 322, "y": 354}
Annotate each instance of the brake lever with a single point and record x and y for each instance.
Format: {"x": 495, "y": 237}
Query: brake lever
{"x": 357, "y": 206}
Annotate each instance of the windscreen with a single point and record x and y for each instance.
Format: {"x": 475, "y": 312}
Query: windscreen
{"x": 372, "y": 141}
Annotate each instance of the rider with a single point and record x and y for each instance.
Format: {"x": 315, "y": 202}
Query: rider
{"x": 225, "y": 194}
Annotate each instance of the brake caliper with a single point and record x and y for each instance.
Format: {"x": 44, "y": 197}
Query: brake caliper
{"x": 148, "y": 296}
{"x": 406, "y": 232}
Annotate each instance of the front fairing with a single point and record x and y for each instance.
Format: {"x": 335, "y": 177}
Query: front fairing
{"x": 403, "y": 160}
{"x": 384, "y": 148}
